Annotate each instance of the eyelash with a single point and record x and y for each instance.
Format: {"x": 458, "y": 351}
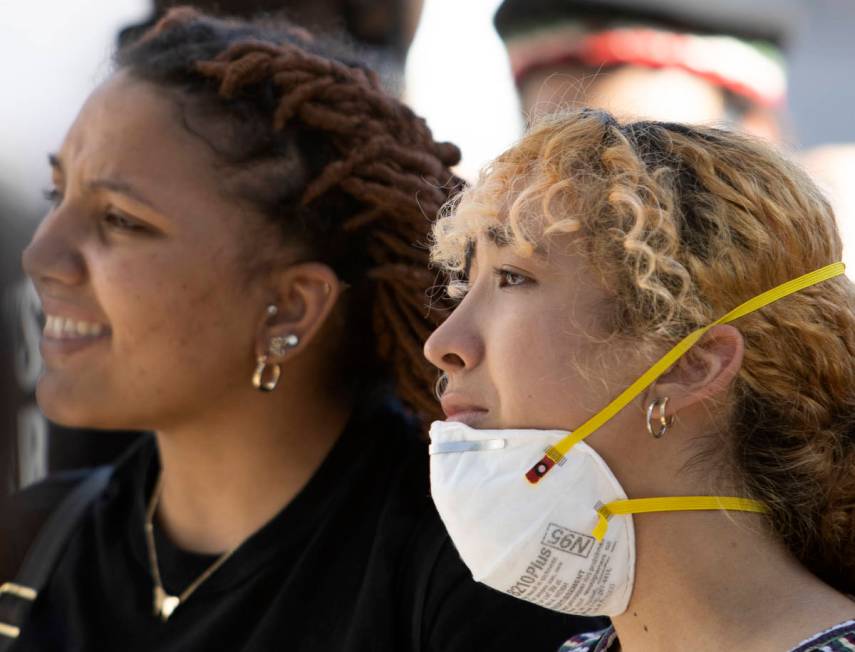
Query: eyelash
{"x": 456, "y": 290}
{"x": 112, "y": 220}
{"x": 504, "y": 274}
{"x": 52, "y": 195}
{"x": 122, "y": 223}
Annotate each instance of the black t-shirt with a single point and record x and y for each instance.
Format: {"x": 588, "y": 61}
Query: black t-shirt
{"x": 359, "y": 560}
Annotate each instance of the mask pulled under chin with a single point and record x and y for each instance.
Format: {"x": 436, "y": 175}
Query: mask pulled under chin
{"x": 533, "y": 541}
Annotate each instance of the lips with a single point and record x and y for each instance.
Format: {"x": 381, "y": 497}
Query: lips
{"x": 459, "y": 408}
{"x": 69, "y": 329}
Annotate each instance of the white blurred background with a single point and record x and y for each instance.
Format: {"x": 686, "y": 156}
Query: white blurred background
{"x": 55, "y": 52}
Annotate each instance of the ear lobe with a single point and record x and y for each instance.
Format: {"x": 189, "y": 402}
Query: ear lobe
{"x": 707, "y": 370}
{"x": 307, "y": 294}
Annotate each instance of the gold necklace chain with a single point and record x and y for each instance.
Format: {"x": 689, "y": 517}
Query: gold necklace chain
{"x": 165, "y": 604}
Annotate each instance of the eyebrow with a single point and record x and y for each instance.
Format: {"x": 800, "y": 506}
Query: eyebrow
{"x": 113, "y": 185}
{"x": 495, "y": 235}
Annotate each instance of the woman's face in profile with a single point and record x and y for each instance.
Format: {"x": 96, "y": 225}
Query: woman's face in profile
{"x": 141, "y": 269}
{"x": 514, "y": 348}
{"x": 524, "y": 348}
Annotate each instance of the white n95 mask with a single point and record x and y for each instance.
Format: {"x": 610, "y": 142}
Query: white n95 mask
{"x": 561, "y": 539}
{"x": 532, "y": 541}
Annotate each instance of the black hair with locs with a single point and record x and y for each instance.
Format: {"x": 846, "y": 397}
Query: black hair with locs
{"x": 308, "y": 137}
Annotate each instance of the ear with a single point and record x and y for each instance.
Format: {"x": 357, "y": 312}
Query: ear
{"x": 705, "y": 371}
{"x": 306, "y": 294}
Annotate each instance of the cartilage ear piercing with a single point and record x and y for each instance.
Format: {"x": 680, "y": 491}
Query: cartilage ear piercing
{"x": 281, "y": 343}
{"x": 272, "y": 310}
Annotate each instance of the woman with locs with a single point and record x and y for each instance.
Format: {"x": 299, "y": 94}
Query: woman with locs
{"x": 232, "y": 261}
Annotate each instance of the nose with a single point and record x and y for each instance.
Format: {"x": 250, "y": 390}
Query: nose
{"x": 52, "y": 257}
{"x": 456, "y": 345}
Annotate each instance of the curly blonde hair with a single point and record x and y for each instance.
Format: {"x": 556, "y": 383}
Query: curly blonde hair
{"x": 681, "y": 224}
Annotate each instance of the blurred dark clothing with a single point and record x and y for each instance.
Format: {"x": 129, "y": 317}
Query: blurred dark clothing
{"x": 359, "y": 560}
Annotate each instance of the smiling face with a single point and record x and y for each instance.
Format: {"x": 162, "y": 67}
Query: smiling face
{"x": 141, "y": 269}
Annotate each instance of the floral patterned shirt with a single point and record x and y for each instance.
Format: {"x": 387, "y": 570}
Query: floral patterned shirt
{"x": 840, "y": 638}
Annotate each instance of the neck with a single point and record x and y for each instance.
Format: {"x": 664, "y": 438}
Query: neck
{"x": 229, "y": 471}
{"x": 715, "y": 581}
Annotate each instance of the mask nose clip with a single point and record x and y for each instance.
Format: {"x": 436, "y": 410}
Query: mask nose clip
{"x": 466, "y": 446}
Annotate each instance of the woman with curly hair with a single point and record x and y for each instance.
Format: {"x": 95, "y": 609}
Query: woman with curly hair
{"x": 673, "y": 295}
{"x": 232, "y": 261}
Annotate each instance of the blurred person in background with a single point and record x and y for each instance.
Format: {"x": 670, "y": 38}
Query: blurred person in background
{"x": 715, "y": 63}
{"x": 673, "y": 60}
{"x": 231, "y": 262}
{"x": 380, "y": 31}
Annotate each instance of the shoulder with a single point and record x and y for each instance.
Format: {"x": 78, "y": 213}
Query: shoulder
{"x": 599, "y": 641}
{"x": 43, "y": 497}
{"x": 26, "y": 511}
{"x": 840, "y": 638}
{"x": 393, "y": 449}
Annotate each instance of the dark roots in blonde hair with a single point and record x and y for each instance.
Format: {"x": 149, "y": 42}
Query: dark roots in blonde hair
{"x": 682, "y": 224}
{"x": 310, "y": 139}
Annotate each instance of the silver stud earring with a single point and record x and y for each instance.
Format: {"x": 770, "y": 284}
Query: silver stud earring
{"x": 281, "y": 343}
{"x": 272, "y": 310}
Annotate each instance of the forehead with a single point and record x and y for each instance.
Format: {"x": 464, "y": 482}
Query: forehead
{"x": 483, "y": 222}
{"x": 135, "y": 133}
{"x": 134, "y": 128}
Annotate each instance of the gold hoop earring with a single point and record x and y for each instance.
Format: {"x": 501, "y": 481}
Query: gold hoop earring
{"x": 665, "y": 422}
{"x": 261, "y": 367}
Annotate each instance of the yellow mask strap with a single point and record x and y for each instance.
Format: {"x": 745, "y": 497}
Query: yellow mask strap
{"x": 675, "y": 504}
{"x": 555, "y": 454}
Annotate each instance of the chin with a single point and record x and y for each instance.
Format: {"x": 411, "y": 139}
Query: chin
{"x": 63, "y": 407}
{"x": 64, "y": 415}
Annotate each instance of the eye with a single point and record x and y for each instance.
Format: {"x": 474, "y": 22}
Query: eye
{"x": 121, "y": 223}
{"x": 53, "y": 195}
{"x": 510, "y": 278}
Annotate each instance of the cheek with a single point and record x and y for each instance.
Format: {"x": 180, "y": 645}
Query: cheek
{"x": 536, "y": 367}
{"x": 177, "y": 312}
{"x": 182, "y": 334}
